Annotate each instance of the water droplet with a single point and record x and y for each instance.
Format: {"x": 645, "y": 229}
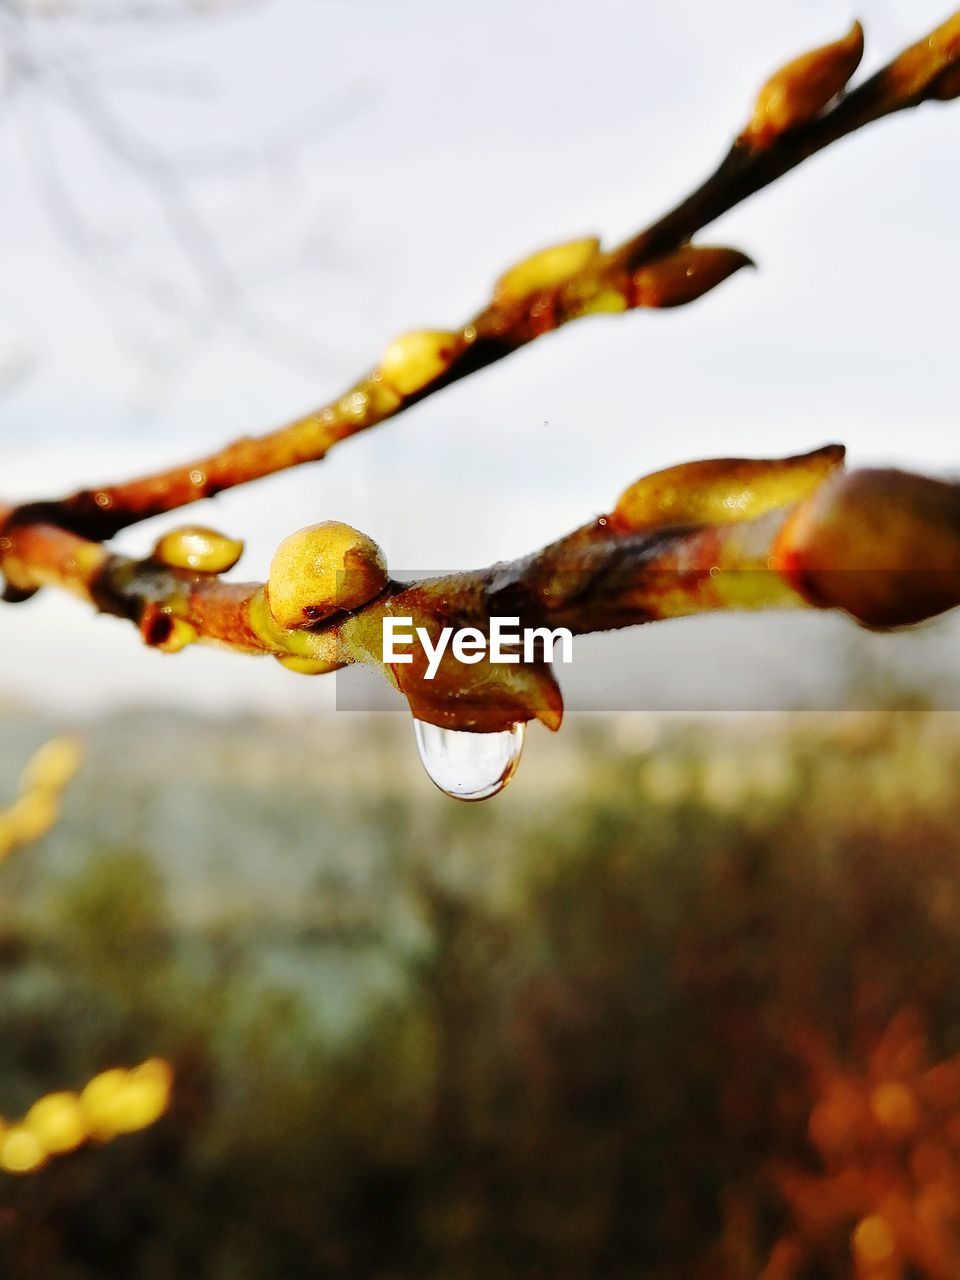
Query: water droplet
{"x": 469, "y": 766}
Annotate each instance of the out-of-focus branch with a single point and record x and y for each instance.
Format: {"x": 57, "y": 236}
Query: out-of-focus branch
{"x": 42, "y": 783}
{"x": 792, "y": 120}
{"x": 728, "y": 534}
{"x": 117, "y": 1100}
{"x": 114, "y": 1102}
{"x": 56, "y": 77}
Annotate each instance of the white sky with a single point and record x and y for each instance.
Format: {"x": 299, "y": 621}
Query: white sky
{"x": 460, "y": 138}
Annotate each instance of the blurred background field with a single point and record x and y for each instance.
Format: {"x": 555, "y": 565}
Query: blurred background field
{"x": 681, "y": 1003}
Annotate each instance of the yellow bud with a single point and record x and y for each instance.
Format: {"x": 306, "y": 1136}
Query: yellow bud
{"x": 608, "y": 300}
{"x": 723, "y": 490}
{"x": 198, "y": 548}
{"x": 143, "y": 1096}
{"x": 685, "y": 275}
{"x": 308, "y": 666}
{"x": 416, "y": 359}
{"x": 800, "y": 90}
{"x": 322, "y": 570}
{"x": 52, "y": 767}
{"x": 33, "y": 815}
{"x": 20, "y": 1150}
{"x": 99, "y": 1102}
{"x": 57, "y": 1122}
{"x": 8, "y": 835}
{"x": 545, "y": 269}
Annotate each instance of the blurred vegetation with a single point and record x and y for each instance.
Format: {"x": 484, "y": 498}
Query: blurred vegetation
{"x": 681, "y": 1004}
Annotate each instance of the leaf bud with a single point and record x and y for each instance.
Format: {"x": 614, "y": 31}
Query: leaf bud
{"x": 685, "y": 275}
{"x": 723, "y": 490}
{"x": 883, "y": 545}
{"x": 545, "y": 269}
{"x": 323, "y": 569}
{"x": 800, "y": 90}
{"x": 198, "y": 548}
{"x": 307, "y": 666}
{"x": 414, "y": 360}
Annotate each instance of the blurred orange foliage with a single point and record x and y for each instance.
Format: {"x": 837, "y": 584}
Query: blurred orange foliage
{"x": 887, "y": 1136}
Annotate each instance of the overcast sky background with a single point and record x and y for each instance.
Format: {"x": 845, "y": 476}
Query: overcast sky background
{"x": 438, "y": 143}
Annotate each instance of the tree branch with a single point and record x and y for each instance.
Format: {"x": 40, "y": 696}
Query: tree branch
{"x": 793, "y": 119}
{"x": 727, "y": 534}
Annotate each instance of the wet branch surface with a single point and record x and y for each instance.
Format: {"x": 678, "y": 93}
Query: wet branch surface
{"x": 881, "y": 545}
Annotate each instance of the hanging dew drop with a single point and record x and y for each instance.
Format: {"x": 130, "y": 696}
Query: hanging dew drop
{"x": 469, "y": 766}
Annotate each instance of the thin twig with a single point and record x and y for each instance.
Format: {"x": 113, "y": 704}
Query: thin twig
{"x": 606, "y": 281}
